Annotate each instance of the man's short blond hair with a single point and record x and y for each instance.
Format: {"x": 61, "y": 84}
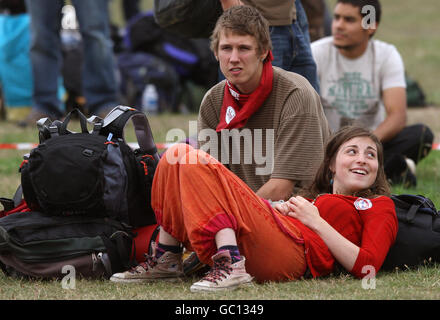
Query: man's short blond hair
{"x": 243, "y": 20}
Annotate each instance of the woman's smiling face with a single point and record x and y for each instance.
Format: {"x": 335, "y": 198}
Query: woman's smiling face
{"x": 355, "y": 166}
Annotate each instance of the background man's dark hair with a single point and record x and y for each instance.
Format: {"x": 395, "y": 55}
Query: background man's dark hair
{"x": 361, "y": 3}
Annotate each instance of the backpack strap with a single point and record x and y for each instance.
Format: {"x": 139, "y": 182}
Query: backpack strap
{"x": 115, "y": 121}
{"x": 48, "y": 129}
{"x": 410, "y": 204}
{"x": 410, "y": 215}
{"x": 10, "y": 204}
{"x": 153, "y": 240}
{"x": 82, "y": 120}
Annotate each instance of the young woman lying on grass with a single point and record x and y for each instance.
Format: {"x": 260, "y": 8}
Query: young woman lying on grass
{"x": 346, "y": 218}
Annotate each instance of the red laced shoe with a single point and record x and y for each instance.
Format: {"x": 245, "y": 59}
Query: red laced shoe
{"x": 224, "y": 275}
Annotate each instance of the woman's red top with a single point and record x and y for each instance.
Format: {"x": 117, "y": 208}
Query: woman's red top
{"x": 371, "y": 224}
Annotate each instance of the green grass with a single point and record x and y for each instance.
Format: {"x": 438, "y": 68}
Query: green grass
{"x": 422, "y": 284}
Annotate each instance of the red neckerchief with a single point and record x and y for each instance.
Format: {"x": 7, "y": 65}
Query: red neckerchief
{"x": 237, "y": 108}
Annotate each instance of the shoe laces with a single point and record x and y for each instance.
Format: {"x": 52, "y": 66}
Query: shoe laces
{"x": 150, "y": 262}
{"x": 221, "y": 269}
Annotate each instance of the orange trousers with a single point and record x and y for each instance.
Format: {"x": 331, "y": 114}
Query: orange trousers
{"x": 194, "y": 196}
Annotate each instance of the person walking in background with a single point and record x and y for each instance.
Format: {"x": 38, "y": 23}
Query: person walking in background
{"x": 289, "y": 34}
{"x": 99, "y": 85}
{"x": 15, "y": 65}
{"x": 318, "y": 17}
{"x": 363, "y": 82}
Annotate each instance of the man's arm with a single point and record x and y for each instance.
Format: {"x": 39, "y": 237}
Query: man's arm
{"x": 394, "y": 100}
{"x": 226, "y": 4}
{"x": 276, "y": 189}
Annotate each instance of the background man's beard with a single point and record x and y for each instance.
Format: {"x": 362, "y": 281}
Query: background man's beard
{"x": 345, "y": 47}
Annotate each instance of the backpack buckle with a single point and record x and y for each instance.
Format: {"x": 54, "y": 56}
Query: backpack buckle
{"x": 115, "y": 113}
{"x": 53, "y": 130}
{"x": 43, "y": 129}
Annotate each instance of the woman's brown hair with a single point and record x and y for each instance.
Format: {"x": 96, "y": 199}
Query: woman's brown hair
{"x": 323, "y": 178}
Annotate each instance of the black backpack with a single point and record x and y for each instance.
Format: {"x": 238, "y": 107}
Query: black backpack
{"x": 39, "y": 245}
{"x": 418, "y": 236}
{"x": 415, "y": 96}
{"x": 191, "y": 58}
{"x": 138, "y": 69}
{"x": 92, "y": 174}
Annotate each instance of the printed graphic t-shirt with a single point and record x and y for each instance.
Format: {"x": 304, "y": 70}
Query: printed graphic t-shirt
{"x": 351, "y": 88}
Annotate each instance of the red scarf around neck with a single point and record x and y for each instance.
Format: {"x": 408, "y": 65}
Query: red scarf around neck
{"x": 237, "y": 108}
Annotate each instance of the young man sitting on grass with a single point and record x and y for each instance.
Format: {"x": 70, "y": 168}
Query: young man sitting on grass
{"x": 362, "y": 82}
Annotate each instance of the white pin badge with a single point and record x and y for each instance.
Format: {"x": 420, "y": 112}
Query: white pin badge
{"x": 230, "y": 114}
{"x": 363, "y": 204}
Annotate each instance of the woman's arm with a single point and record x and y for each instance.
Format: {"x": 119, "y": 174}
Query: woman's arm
{"x": 344, "y": 251}
{"x": 378, "y": 233}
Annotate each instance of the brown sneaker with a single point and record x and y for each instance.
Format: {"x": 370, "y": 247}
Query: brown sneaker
{"x": 223, "y": 275}
{"x": 192, "y": 265}
{"x": 167, "y": 267}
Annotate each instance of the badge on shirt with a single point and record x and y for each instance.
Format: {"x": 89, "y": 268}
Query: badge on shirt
{"x": 230, "y": 114}
{"x": 363, "y": 204}
{"x": 234, "y": 93}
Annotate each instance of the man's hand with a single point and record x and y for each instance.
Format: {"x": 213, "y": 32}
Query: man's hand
{"x": 276, "y": 189}
{"x": 301, "y": 209}
{"x": 344, "y": 251}
{"x": 226, "y": 4}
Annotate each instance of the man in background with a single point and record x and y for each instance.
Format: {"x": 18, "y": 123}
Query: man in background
{"x": 362, "y": 81}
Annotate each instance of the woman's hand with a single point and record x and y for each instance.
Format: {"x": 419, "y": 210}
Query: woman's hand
{"x": 344, "y": 251}
{"x": 301, "y": 209}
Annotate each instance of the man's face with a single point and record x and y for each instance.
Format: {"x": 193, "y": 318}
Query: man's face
{"x": 240, "y": 61}
{"x": 347, "y": 30}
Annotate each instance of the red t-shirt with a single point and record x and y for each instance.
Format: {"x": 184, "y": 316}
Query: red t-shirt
{"x": 371, "y": 224}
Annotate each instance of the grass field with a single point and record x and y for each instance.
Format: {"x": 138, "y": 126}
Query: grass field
{"x": 410, "y": 26}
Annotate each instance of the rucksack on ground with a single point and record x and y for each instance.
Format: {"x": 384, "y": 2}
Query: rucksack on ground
{"x": 191, "y": 58}
{"x": 92, "y": 174}
{"x": 415, "y": 96}
{"x": 171, "y": 62}
{"x": 86, "y": 200}
{"x": 39, "y": 245}
{"x": 418, "y": 236}
{"x": 137, "y": 69}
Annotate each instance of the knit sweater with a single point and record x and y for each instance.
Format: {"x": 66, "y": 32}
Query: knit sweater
{"x": 284, "y": 139}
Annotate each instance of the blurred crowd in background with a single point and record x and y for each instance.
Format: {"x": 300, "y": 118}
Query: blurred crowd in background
{"x": 157, "y": 71}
